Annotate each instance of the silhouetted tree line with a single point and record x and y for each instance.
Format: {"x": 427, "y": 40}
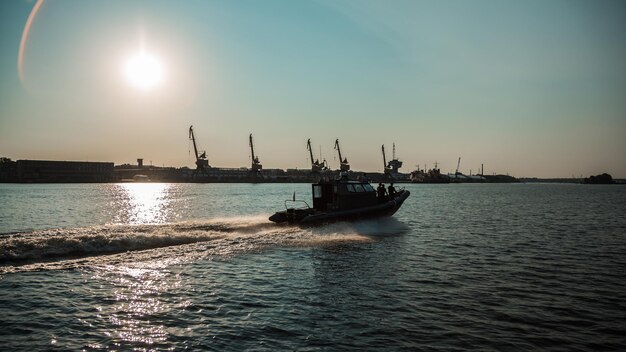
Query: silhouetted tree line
{"x": 604, "y": 179}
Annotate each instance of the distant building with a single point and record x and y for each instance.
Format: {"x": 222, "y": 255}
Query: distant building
{"x": 63, "y": 171}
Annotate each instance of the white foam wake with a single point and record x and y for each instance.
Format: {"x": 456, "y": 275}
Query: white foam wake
{"x": 223, "y": 236}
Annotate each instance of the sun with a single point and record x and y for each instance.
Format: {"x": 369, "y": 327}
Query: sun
{"x": 144, "y": 71}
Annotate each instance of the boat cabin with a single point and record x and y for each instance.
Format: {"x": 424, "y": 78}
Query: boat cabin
{"x": 338, "y": 200}
{"x": 343, "y": 195}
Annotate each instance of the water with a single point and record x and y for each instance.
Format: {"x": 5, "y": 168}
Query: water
{"x": 199, "y": 267}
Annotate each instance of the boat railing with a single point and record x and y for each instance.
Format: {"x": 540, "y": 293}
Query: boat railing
{"x": 398, "y": 192}
{"x": 297, "y": 201}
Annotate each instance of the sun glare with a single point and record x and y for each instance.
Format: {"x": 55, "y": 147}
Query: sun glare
{"x": 144, "y": 71}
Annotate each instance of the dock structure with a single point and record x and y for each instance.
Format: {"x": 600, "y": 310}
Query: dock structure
{"x": 48, "y": 171}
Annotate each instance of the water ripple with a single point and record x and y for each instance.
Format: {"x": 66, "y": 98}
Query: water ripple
{"x": 462, "y": 267}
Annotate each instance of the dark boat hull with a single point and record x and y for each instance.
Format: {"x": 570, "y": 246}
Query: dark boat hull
{"x": 311, "y": 216}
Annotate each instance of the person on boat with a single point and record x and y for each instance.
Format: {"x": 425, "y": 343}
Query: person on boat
{"x": 392, "y": 190}
{"x": 381, "y": 193}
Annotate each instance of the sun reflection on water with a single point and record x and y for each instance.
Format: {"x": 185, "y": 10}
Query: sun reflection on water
{"x": 143, "y": 203}
{"x": 137, "y": 300}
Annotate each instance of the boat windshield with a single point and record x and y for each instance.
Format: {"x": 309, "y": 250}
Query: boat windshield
{"x": 359, "y": 188}
{"x": 368, "y": 187}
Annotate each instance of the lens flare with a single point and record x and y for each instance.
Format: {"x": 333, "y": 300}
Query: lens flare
{"x": 24, "y": 40}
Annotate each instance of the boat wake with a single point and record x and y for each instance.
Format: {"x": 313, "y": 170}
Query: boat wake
{"x": 173, "y": 243}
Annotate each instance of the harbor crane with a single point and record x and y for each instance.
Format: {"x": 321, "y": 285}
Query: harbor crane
{"x": 256, "y": 165}
{"x": 344, "y": 166}
{"x": 316, "y": 166}
{"x": 457, "y": 167}
{"x": 202, "y": 163}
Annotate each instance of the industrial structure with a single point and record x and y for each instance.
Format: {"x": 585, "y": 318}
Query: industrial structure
{"x": 256, "y": 165}
{"x": 202, "y": 163}
{"x": 316, "y": 165}
{"x": 52, "y": 171}
{"x": 386, "y": 169}
{"x": 394, "y": 164}
{"x": 391, "y": 169}
{"x": 459, "y": 177}
{"x": 344, "y": 166}
{"x": 433, "y": 175}
{"x": 83, "y": 171}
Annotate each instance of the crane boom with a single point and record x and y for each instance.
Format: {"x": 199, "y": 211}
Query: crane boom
{"x": 458, "y": 164}
{"x": 316, "y": 166}
{"x": 384, "y": 157}
{"x": 252, "y": 148}
{"x": 256, "y": 165}
{"x": 308, "y": 146}
{"x": 338, "y": 150}
{"x": 387, "y": 167}
{"x": 193, "y": 139}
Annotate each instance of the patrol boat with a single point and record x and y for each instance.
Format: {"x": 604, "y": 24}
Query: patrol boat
{"x": 338, "y": 200}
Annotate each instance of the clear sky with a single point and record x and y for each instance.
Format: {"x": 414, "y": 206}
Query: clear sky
{"x": 529, "y": 88}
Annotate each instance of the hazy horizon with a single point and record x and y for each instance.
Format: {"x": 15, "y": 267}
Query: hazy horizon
{"x": 532, "y": 89}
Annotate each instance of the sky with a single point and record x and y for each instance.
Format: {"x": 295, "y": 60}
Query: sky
{"x": 527, "y": 88}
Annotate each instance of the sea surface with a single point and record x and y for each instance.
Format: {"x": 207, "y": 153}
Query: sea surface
{"x": 155, "y": 266}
